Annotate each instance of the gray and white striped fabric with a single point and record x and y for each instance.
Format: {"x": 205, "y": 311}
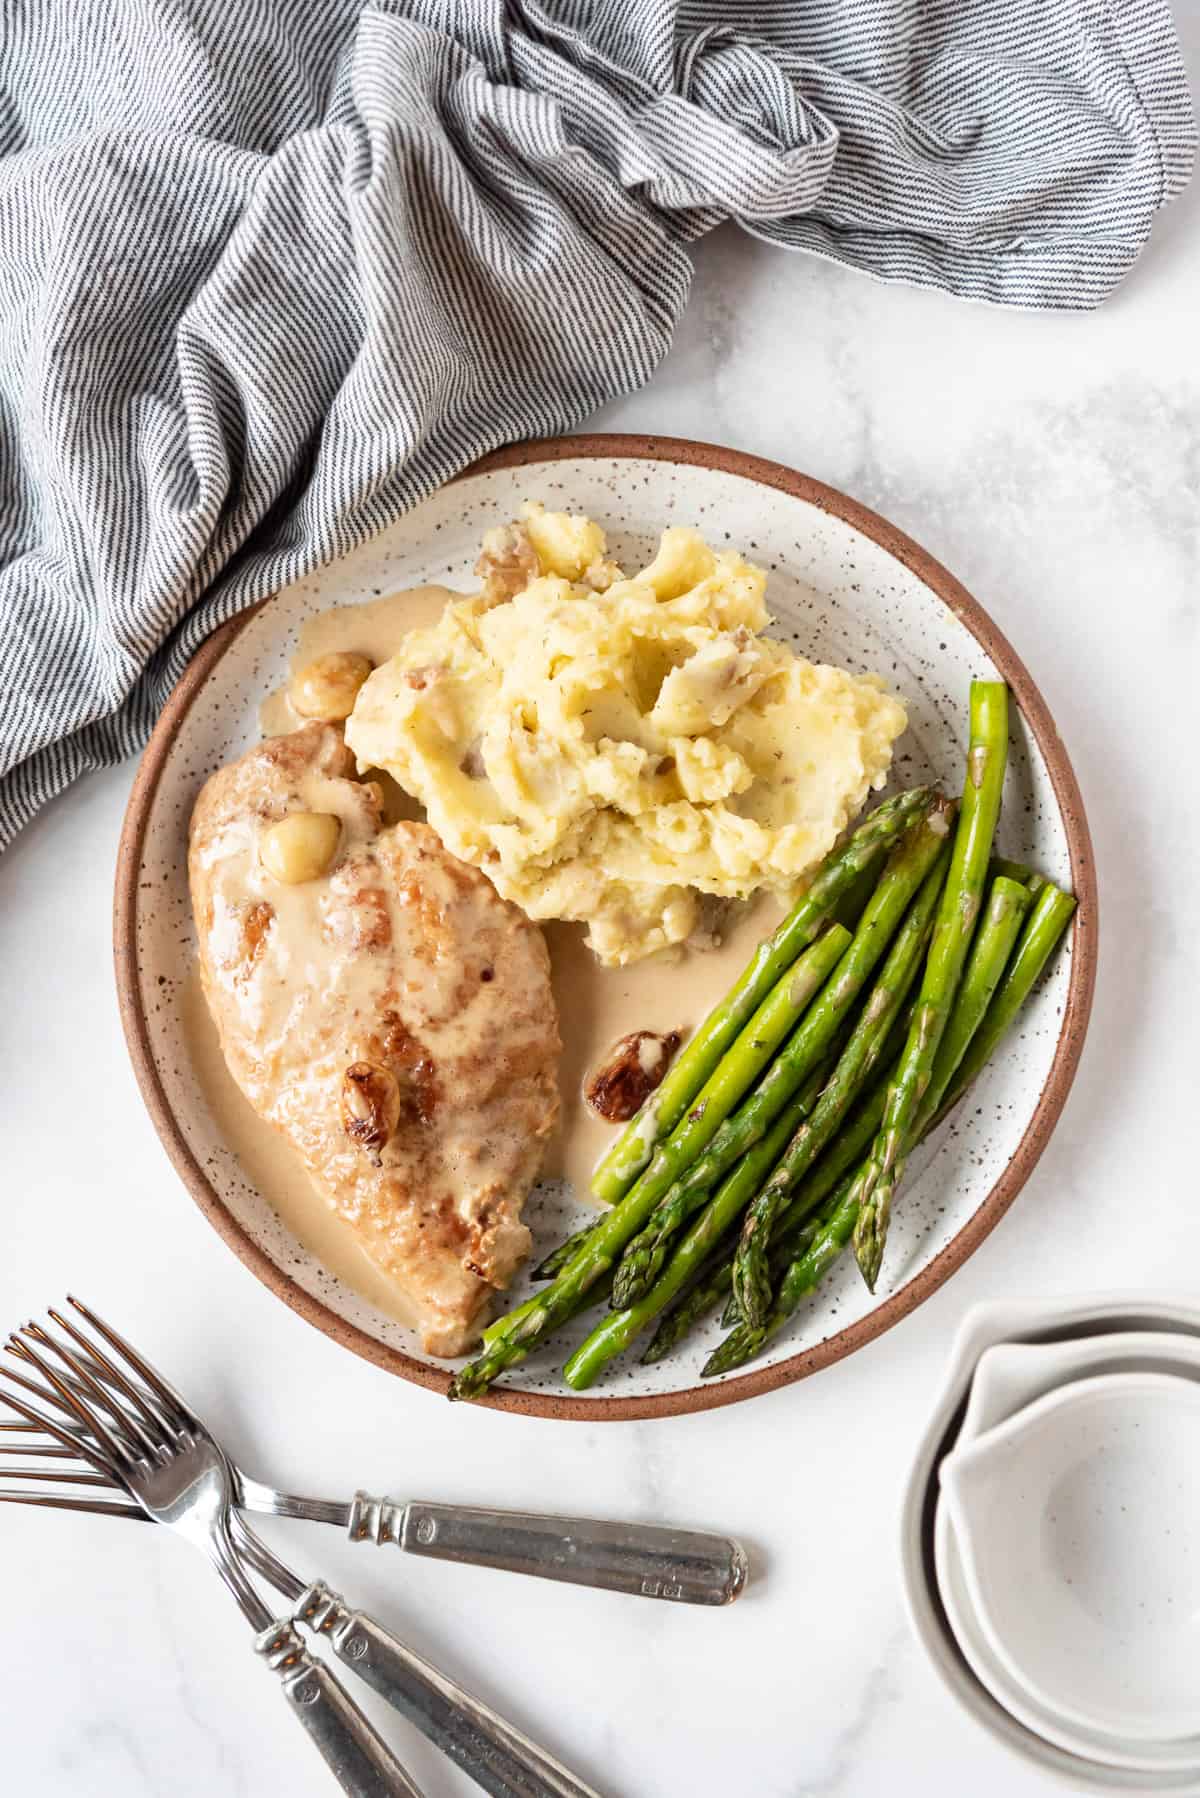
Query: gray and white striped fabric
{"x": 271, "y": 270}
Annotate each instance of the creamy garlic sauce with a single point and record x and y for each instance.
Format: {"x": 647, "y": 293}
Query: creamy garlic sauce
{"x": 373, "y": 629}
{"x": 273, "y": 1166}
{"x": 596, "y": 1005}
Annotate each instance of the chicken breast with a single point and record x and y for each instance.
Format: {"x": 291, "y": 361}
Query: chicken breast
{"x": 392, "y": 1016}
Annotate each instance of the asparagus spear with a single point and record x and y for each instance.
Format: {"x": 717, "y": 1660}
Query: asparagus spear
{"x": 957, "y": 914}
{"x": 643, "y": 1259}
{"x": 557, "y": 1259}
{"x": 847, "y": 912}
{"x": 754, "y": 1050}
{"x": 711, "y": 1287}
{"x": 620, "y": 1166}
{"x": 501, "y": 1325}
{"x": 852, "y": 1140}
{"x": 714, "y": 1285}
{"x": 837, "y": 1226}
{"x": 1007, "y": 904}
{"x": 1020, "y": 872}
{"x": 591, "y": 1295}
{"x": 614, "y": 1334}
{"x": 856, "y": 1064}
{"x": 513, "y": 1337}
{"x": 1004, "y": 913}
{"x": 853, "y": 902}
{"x": 814, "y": 1243}
{"x": 844, "y": 1153}
{"x": 1051, "y": 913}
{"x": 784, "y": 1250}
{"x": 732, "y": 1313}
{"x": 906, "y": 868}
{"x": 617, "y": 1330}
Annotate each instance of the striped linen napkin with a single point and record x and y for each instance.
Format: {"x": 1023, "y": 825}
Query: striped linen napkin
{"x": 272, "y": 270}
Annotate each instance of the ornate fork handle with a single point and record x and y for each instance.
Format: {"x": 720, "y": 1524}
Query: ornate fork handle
{"x": 688, "y": 1566}
{"x": 497, "y": 1756}
{"x": 359, "y": 1759}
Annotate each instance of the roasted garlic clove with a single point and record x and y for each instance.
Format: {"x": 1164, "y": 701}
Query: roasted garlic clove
{"x": 327, "y": 687}
{"x": 623, "y": 1082}
{"x": 370, "y": 1104}
{"x": 300, "y": 847}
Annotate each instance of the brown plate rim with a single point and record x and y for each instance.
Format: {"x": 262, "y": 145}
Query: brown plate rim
{"x": 1077, "y": 1009}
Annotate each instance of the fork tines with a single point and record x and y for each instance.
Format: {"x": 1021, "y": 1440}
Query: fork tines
{"x": 57, "y": 1487}
{"x": 100, "y": 1405}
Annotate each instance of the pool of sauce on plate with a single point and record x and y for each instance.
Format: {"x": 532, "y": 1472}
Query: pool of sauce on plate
{"x": 674, "y": 990}
{"x": 596, "y": 1006}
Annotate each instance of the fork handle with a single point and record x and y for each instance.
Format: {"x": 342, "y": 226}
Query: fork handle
{"x": 649, "y": 1560}
{"x": 497, "y": 1756}
{"x": 359, "y": 1759}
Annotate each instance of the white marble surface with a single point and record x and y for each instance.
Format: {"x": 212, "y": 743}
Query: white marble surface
{"x": 1054, "y": 464}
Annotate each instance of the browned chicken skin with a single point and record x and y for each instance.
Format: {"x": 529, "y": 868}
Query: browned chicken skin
{"x": 393, "y": 1018}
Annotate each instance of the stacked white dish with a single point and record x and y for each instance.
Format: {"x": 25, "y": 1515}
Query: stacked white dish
{"x": 1051, "y": 1536}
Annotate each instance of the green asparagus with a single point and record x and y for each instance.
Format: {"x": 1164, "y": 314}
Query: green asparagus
{"x": 632, "y": 1151}
{"x": 1007, "y": 903}
{"x": 617, "y": 1330}
{"x": 856, "y": 1064}
{"x": 500, "y": 1326}
{"x": 796, "y": 1229}
{"x": 713, "y": 1279}
{"x": 1025, "y": 876}
{"x": 853, "y": 902}
{"x": 514, "y": 1336}
{"x": 961, "y": 899}
{"x": 1052, "y": 911}
{"x": 844, "y": 1153}
{"x": 1021, "y": 872}
{"x": 784, "y": 1250}
{"x": 769, "y": 1024}
{"x": 712, "y": 1285}
{"x": 906, "y": 868}
{"x": 837, "y": 1226}
{"x": 557, "y": 1259}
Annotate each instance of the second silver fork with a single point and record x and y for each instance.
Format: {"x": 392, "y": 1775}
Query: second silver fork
{"x": 134, "y": 1431}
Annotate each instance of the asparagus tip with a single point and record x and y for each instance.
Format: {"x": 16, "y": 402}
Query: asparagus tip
{"x": 751, "y": 1284}
{"x": 740, "y": 1345}
{"x": 870, "y": 1233}
{"x": 473, "y": 1380}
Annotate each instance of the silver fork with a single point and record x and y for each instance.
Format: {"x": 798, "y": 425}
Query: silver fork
{"x": 645, "y": 1559}
{"x": 180, "y": 1479}
{"x": 133, "y": 1431}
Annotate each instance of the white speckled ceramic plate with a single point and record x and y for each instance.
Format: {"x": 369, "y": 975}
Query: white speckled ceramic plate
{"x": 844, "y": 586}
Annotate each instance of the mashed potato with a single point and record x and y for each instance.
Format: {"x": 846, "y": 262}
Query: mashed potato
{"x": 610, "y": 749}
